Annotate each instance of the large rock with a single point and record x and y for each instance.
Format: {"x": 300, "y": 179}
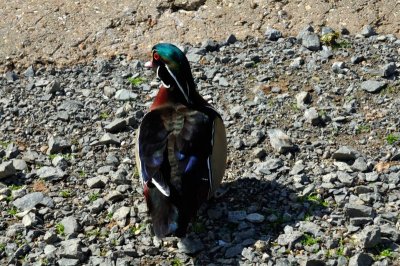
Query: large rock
{"x": 280, "y": 141}
{"x": 71, "y": 106}
{"x": 31, "y": 200}
{"x": 311, "y": 41}
{"x": 116, "y": 125}
{"x": 107, "y": 139}
{"x": 269, "y": 165}
{"x": 368, "y": 31}
{"x": 72, "y": 249}
{"x": 369, "y": 237}
{"x": 273, "y": 34}
{"x": 373, "y": 86}
{"x": 190, "y": 246}
{"x": 120, "y": 215}
{"x": 345, "y": 153}
{"x": 7, "y": 169}
{"x": 19, "y": 164}
{"x": 311, "y": 115}
{"x": 125, "y": 95}
{"x": 58, "y": 144}
{"x": 356, "y": 210}
{"x": 361, "y": 259}
{"x": 71, "y": 225}
{"x": 50, "y": 173}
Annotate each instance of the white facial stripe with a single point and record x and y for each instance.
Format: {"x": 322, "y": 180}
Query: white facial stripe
{"x": 157, "y": 72}
{"x": 165, "y": 85}
{"x": 179, "y": 85}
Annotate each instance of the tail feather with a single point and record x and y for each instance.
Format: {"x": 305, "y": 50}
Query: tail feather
{"x": 163, "y": 213}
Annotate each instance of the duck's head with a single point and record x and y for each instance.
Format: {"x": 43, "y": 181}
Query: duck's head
{"x": 173, "y": 69}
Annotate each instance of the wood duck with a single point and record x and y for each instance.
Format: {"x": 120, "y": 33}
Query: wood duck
{"x": 181, "y": 145}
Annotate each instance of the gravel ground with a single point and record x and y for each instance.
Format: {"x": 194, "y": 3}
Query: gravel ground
{"x": 313, "y": 168}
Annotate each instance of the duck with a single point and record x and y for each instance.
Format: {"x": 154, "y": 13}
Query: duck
{"x": 181, "y": 146}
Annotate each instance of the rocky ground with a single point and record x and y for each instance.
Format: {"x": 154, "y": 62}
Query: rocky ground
{"x": 313, "y": 169}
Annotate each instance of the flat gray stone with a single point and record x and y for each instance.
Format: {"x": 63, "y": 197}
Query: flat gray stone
{"x": 71, "y": 225}
{"x": 311, "y": 41}
{"x": 280, "y": 141}
{"x": 30, "y": 201}
{"x": 310, "y": 227}
{"x": 236, "y": 216}
{"x": 360, "y": 165}
{"x": 273, "y": 34}
{"x": 7, "y": 169}
{"x": 367, "y": 31}
{"x": 125, "y": 95}
{"x": 29, "y": 72}
{"x": 388, "y": 70}
{"x": 58, "y": 144}
{"x": 50, "y": 250}
{"x": 390, "y": 231}
{"x": 345, "y": 153}
{"x": 49, "y": 173}
{"x": 314, "y": 262}
{"x": 345, "y": 178}
{"x": 289, "y": 238}
{"x": 109, "y": 91}
{"x": 190, "y": 246}
{"x": 72, "y": 249}
{"x": 60, "y": 162}
{"x": 231, "y": 39}
{"x": 114, "y": 196}
{"x": 233, "y": 251}
{"x": 255, "y": 218}
{"x": 373, "y": 86}
{"x": 303, "y": 98}
{"x": 11, "y": 151}
{"x": 369, "y": 237}
{"x": 297, "y": 168}
{"x": 356, "y": 210}
{"x": 63, "y": 116}
{"x": 361, "y": 259}
{"x": 30, "y": 156}
{"x": 53, "y": 87}
{"x": 269, "y": 165}
{"x": 97, "y": 205}
{"x": 97, "y": 182}
{"x": 50, "y": 237}
{"x": 30, "y": 219}
{"x": 372, "y": 177}
{"x": 19, "y": 164}
{"x": 120, "y": 215}
{"x": 297, "y": 63}
{"x": 311, "y": 115}
{"x": 248, "y": 254}
{"x": 109, "y": 138}
{"x": 360, "y": 221}
{"x": 71, "y": 106}
{"x": 116, "y": 125}
{"x": 223, "y": 82}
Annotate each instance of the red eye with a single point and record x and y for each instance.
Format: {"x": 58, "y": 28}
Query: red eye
{"x": 156, "y": 56}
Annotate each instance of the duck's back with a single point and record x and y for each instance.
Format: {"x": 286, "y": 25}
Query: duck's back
{"x": 181, "y": 155}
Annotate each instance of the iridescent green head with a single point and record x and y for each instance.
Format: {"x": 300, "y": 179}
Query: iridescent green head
{"x": 172, "y": 68}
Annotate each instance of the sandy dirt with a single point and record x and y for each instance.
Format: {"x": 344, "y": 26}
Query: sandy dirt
{"x": 67, "y": 32}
